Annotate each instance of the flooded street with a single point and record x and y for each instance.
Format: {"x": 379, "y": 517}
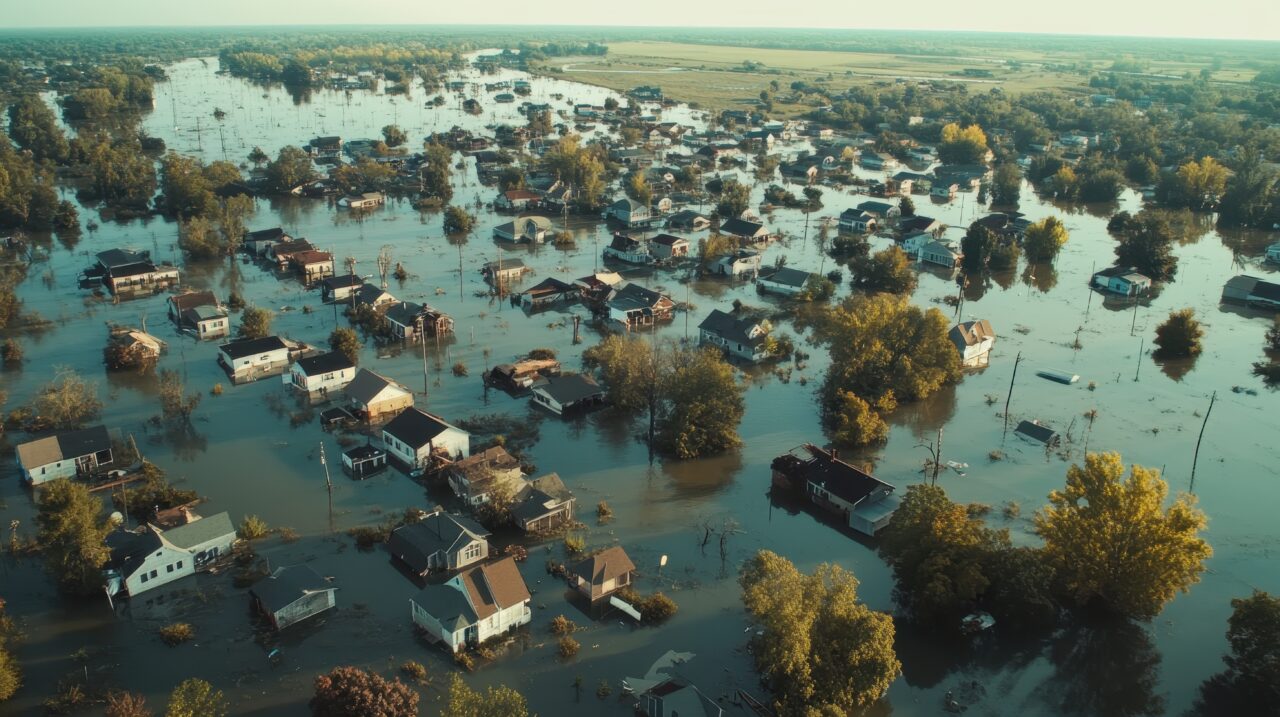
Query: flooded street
{"x": 246, "y": 458}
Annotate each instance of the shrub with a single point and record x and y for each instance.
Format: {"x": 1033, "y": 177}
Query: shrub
{"x": 603, "y": 512}
{"x": 414, "y": 670}
{"x": 11, "y": 353}
{"x": 216, "y": 390}
{"x": 459, "y": 369}
{"x": 177, "y": 633}
{"x": 561, "y": 625}
{"x": 1179, "y": 336}
{"x": 253, "y": 527}
{"x": 575, "y": 544}
{"x": 568, "y": 647}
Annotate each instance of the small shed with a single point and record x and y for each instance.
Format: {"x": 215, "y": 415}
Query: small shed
{"x": 1038, "y": 433}
{"x": 361, "y": 462}
{"x": 292, "y": 594}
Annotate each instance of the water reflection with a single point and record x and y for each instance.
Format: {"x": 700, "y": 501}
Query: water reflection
{"x": 1041, "y": 277}
{"x": 1104, "y": 669}
{"x": 702, "y": 477}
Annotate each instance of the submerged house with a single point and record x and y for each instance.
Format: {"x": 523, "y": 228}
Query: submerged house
{"x": 940, "y": 253}
{"x": 251, "y": 359}
{"x": 257, "y": 242}
{"x": 374, "y": 396}
{"x": 603, "y": 574}
{"x": 152, "y": 557}
{"x": 629, "y": 249}
{"x": 634, "y": 306}
{"x": 974, "y": 340}
{"x": 69, "y": 454}
{"x": 360, "y": 462}
{"x": 199, "y": 313}
{"x": 311, "y": 265}
{"x": 340, "y": 288}
{"x": 415, "y": 438}
{"x": 408, "y": 321}
{"x": 319, "y": 375}
{"x": 476, "y": 605}
{"x": 521, "y": 374}
{"x": 745, "y": 231}
{"x": 856, "y": 220}
{"x": 664, "y": 692}
{"x": 126, "y": 272}
{"x": 292, "y": 594}
{"x": 473, "y": 478}
{"x": 741, "y": 263}
{"x": 542, "y": 503}
{"x": 366, "y": 200}
{"x": 865, "y": 503}
{"x": 439, "y": 541}
{"x": 530, "y": 230}
{"x": 1124, "y": 281}
{"x": 738, "y": 336}
{"x": 784, "y": 281}
{"x": 629, "y": 213}
{"x": 668, "y": 246}
{"x": 1037, "y": 432}
{"x": 567, "y": 393}
{"x": 1253, "y": 291}
{"x": 688, "y": 220}
{"x": 548, "y": 292}
{"x": 504, "y": 271}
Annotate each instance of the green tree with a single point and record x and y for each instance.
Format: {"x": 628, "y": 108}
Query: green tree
{"x": 637, "y": 186}
{"x": 1251, "y": 196}
{"x": 457, "y": 220}
{"x": 511, "y": 178}
{"x": 1179, "y": 336}
{"x": 186, "y": 190}
{"x": 72, "y": 536}
{"x": 822, "y": 652}
{"x": 854, "y": 422}
{"x": 1044, "y": 239}
{"x": 1006, "y": 185}
{"x": 394, "y": 136}
{"x": 967, "y": 145}
{"x": 291, "y": 168}
{"x": 1146, "y": 243}
{"x": 352, "y": 692}
{"x": 888, "y": 270}
{"x": 735, "y": 197}
{"x": 976, "y": 246}
{"x": 346, "y": 342}
{"x": 10, "y": 674}
{"x": 34, "y": 127}
{"x": 66, "y": 402}
{"x": 1150, "y": 551}
{"x": 259, "y": 157}
{"x": 198, "y": 237}
{"x": 196, "y": 698}
{"x": 906, "y": 206}
{"x": 500, "y": 701}
{"x": 127, "y": 704}
{"x": 176, "y": 405}
{"x": 1251, "y": 683}
{"x": 255, "y": 323}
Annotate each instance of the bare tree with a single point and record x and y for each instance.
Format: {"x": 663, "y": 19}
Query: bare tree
{"x": 384, "y": 263}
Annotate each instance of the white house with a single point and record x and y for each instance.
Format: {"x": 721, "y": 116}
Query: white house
{"x": 368, "y": 200}
{"x": 856, "y": 220}
{"x": 531, "y": 230}
{"x": 321, "y": 374}
{"x": 414, "y": 436}
{"x": 374, "y": 396}
{"x": 941, "y": 254}
{"x": 628, "y": 212}
{"x": 914, "y": 242}
{"x": 439, "y": 541}
{"x": 740, "y": 337}
{"x": 626, "y": 248}
{"x": 568, "y": 392}
{"x": 65, "y": 455}
{"x": 250, "y": 359}
{"x": 743, "y": 262}
{"x": 480, "y": 603}
{"x": 200, "y": 313}
{"x": 144, "y": 560}
{"x": 1122, "y": 280}
{"x": 974, "y": 340}
{"x": 785, "y": 281}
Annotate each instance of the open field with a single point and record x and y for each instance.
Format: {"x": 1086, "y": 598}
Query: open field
{"x": 715, "y": 77}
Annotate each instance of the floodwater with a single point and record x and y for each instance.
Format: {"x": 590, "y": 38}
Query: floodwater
{"x": 246, "y": 458}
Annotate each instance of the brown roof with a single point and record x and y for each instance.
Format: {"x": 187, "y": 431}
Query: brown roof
{"x": 520, "y": 194}
{"x": 311, "y": 257}
{"x": 285, "y": 248}
{"x": 606, "y": 565}
{"x": 496, "y": 457}
{"x": 972, "y": 332}
{"x": 494, "y": 587}
{"x": 192, "y": 299}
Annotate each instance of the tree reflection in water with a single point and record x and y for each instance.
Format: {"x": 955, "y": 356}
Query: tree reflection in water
{"x": 1104, "y": 669}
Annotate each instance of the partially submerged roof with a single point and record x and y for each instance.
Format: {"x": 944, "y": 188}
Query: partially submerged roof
{"x": 71, "y": 444}
{"x": 193, "y": 299}
{"x": 199, "y": 532}
{"x": 287, "y": 585}
{"x": 494, "y": 587}
{"x": 633, "y": 296}
{"x": 971, "y": 333}
{"x": 241, "y": 348}
{"x": 789, "y": 277}
{"x": 367, "y": 385}
{"x": 731, "y": 328}
{"x": 608, "y": 564}
{"x": 325, "y": 363}
{"x": 1037, "y": 432}
{"x": 570, "y": 388}
{"x": 741, "y": 227}
{"x": 539, "y": 496}
{"x": 438, "y": 532}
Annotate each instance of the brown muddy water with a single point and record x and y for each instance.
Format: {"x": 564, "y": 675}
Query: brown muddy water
{"x": 247, "y": 459}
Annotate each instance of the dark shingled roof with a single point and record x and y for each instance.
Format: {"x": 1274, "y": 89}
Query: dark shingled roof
{"x": 325, "y": 363}
{"x": 286, "y": 586}
{"x": 415, "y": 427}
{"x": 570, "y": 388}
{"x": 1037, "y": 432}
{"x": 740, "y": 227}
{"x": 251, "y": 347}
{"x": 416, "y": 542}
{"x": 730, "y": 327}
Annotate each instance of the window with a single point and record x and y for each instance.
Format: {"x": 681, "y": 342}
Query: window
{"x": 144, "y": 577}
{"x": 179, "y": 566}
{"x": 168, "y": 568}
{"x": 153, "y": 574}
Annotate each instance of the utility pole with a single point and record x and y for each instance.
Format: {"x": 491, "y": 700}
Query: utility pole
{"x": 1141, "y": 345}
{"x": 328, "y": 482}
{"x": 1009, "y": 397}
{"x": 1196, "y": 457}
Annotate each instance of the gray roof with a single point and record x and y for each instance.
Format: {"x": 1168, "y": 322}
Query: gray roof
{"x": 634, "y": 296}
{"x": 72, "y": 444}
{"x": 740, "y": 227}
{"x": 367, "y": 384}
{"x": 730, "y": 327}
{"x": 570, "y": 388}
{"x": 416, "y": 542}
{"x": 539, "y": 496}
{"x": 789, "y": 277}
{"x": 447, "y": 604}
{"x": 288, "y": 585}
{"x": 201, "y": 531}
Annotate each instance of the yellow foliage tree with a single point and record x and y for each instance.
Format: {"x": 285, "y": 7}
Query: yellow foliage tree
{"x": 1115, "y": 544}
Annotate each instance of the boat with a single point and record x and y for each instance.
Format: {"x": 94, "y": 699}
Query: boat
{"x": 1054, "y": 374}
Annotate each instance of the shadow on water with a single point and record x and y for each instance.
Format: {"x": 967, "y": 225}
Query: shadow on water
{"x": 1102, "y": 668}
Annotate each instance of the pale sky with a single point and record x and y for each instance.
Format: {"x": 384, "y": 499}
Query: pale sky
{"x": 1237, "y": 19}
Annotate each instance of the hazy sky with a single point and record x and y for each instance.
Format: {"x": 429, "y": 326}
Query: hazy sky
{"x": 1244, "y": 19}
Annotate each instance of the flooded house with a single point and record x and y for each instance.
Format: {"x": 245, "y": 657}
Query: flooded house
{"x": 247, "y": 360}
{"x": 256, "y": 243}
{"x": 504, "y": 271}
{"x": 855, "y": 220}
{"x": 596, "y": 288}
{"x": 543, "y": 503}
{"x": 665, "y": 692}
{"x": 439, "y": 541}
{"x": 523, "y": 230}
{"x": 516, "y": 200}
{"x": 311, "y": 265}
{"x": 521, "y": 374}
{"x": 919, "y": 224}
{"x": 70, "y": 454}
{"x": 940, "y": 253}
{"x": 974, "y": 340}
{"x": 602, "y": 574}
{"x": 668, "y": 246}
{"x": 366, "y": 200}
{"x": 784, "y": 281}
{"x": 688, "y": 220}
{"x": 568, "y": 393}
{"x": 318, "y": 376}
{"x": 150, "y": 557}
{"x": 367, "y": 294}
{"x": 1253, "y": 291}
{"x": 634, "y": 306}
{"x": 280, "y": 253}
{"x": 199, "y": 313}
{"x": 130, "y": 273}
{"x": 863, "y": 502}
{"x": 742, "y": 263}
{"x": 408, "y": 321}
{"x": 418, "y": 439}
{"x": 475, "y": 477}
{"x": 1122, "y": 281}
{"x": 629, "y": 213}
{"x": 360, "y": 462}
{"x": 741, "y": 337}
{"x": 629, "y": 250}
{"x": 374, "y": 397}
{"x": 548, "y": 292}
{"x": 292, "y": 594}
{"x": 1037, "y": 432}
{"x": 340, "y": 288}
{"x": 474, "y": 606}
{"x": 746, "y": 232}
{"x": 130, "y": 348}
